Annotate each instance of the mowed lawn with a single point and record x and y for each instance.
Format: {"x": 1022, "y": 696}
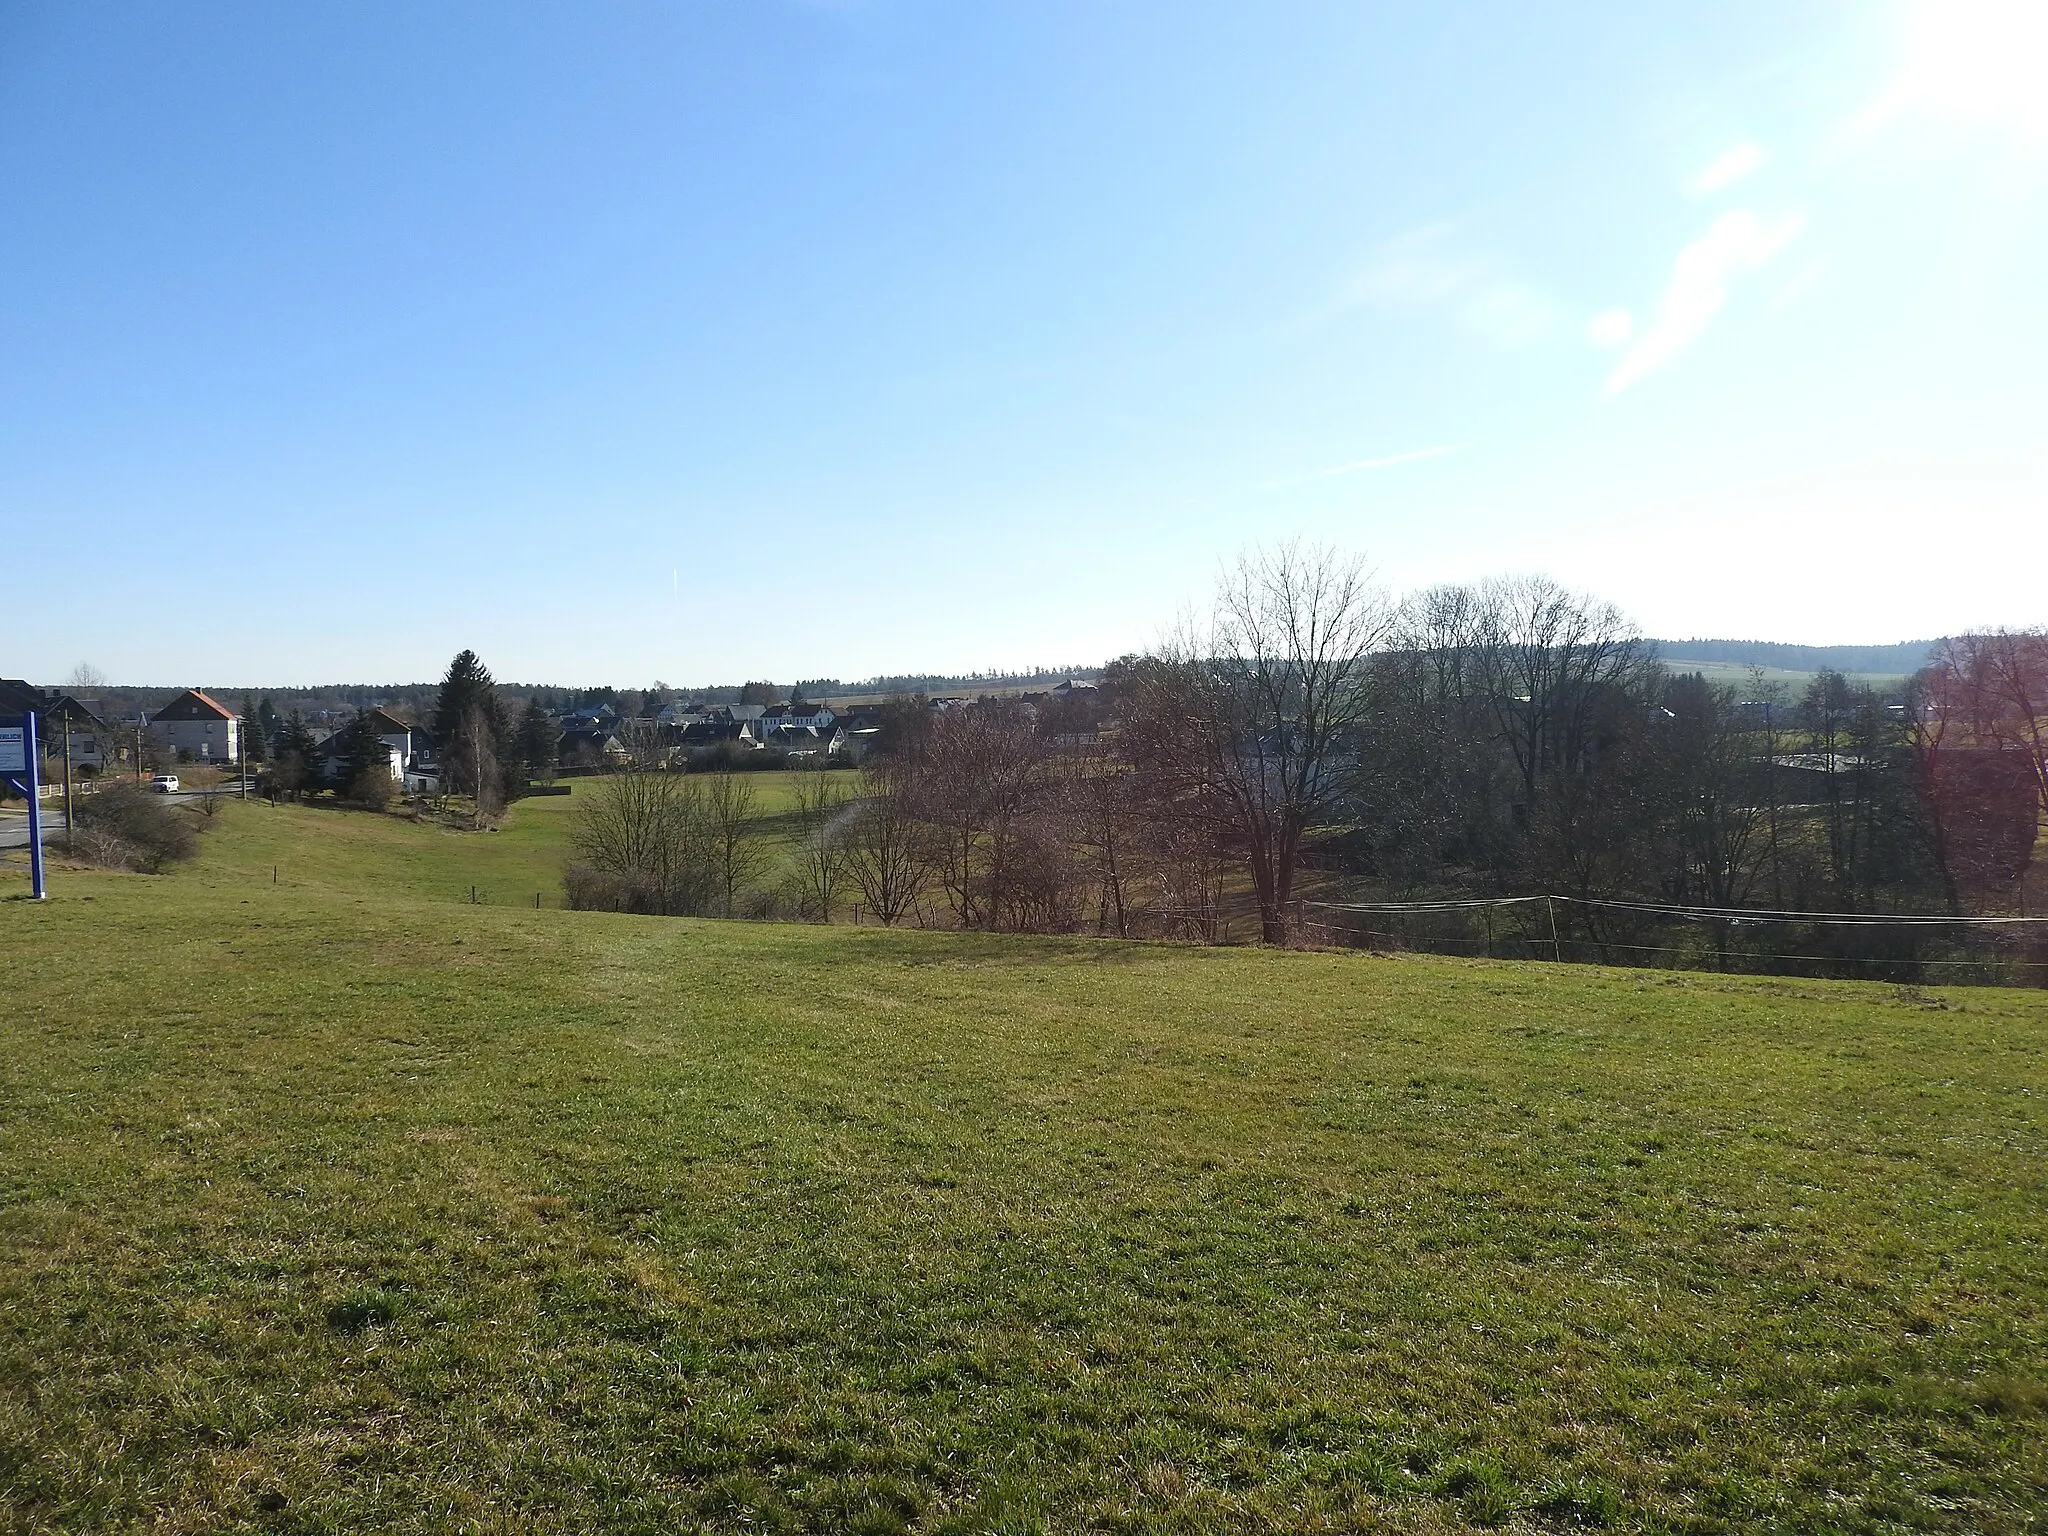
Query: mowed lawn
{"x": 333, "y": 1208}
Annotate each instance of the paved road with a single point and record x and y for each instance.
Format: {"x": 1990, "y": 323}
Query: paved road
{"x": 14, "y": 827}
{"x": 14, "y": 821}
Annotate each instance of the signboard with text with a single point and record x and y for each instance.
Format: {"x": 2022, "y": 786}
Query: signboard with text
{"x": 13, "y": 749}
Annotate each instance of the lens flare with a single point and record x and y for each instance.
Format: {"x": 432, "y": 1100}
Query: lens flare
{"x": 1980, "y": 59}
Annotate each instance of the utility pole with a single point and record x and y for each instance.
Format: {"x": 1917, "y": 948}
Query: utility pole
{"x": 64, "y": 724}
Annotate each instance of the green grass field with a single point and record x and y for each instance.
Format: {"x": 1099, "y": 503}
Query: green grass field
{"x": 330, "y": 848}
{"x": 1794, "y": 683}
{"x": 338, "y": 1205}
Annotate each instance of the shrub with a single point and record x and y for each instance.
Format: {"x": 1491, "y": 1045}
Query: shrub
{"x": 588, "y": 889}
{"x": 645, "y": 842}
{"x": 129, "y": 827}
{"x": 371, "y": 788}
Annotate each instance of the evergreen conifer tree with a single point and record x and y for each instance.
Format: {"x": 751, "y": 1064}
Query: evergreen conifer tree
{"x": 295, "y": 766}
{"x": 537, "y": 743}
{"x": 255, "y": 740}
{"x": 367, "y": 769}
{"x": 470, "y": 728}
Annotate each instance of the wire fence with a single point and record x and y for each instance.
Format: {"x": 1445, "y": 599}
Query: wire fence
{"x": 1884, "y": 946}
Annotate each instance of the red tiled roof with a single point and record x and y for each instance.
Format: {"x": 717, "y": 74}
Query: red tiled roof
{"x": 194, "y": 705}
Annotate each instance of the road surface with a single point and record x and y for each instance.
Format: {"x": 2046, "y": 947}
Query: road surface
{"x": 14, "y": 819}
{"x": 14, "y": 827}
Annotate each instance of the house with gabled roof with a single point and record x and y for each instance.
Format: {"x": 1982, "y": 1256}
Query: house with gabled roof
{"x": 198, "y": 727}
{"x": 80, "y": 731}
{"x": 408, "y": 749}
{"x": 776, "y": 717}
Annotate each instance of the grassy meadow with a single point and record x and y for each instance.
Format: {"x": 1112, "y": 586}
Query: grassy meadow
{"x": 1793, "y": 682}
{"x": 338, "y": 1204}
{"x": 326, "y": 847}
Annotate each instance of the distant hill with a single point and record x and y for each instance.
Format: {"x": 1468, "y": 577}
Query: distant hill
{"x": 1884, "y": 660}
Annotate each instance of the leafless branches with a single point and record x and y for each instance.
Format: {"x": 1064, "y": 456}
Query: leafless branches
{"x": 1243, "y": 727}
{"x": 890, "y": 853}
{"x": 645, "y": 844}
{"x": 820, "y": 812}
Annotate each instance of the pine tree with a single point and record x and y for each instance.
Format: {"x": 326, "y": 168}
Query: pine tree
{"x": 367, "y": 768}
{"x": 471, "y": 733}
{"x": 537, "y": 742}
{"x": 467, "y": 684}
{"x": 295, "y": 768}
{"x": 255, "y": 740}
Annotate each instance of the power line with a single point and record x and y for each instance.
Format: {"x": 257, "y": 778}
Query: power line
{"x": 1666, "y": 909}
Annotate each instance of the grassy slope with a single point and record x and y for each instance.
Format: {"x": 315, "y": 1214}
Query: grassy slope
{"x": 331, "y": 1210}
{"x": 323, "y": 846}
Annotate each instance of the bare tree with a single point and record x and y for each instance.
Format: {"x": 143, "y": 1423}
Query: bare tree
{"x": 1431, "y": 776}
{"x": 889, "y": 852}
{"x": 729, "y": 818}
{"x": 1981, "y": 743}
{"x": 469, "y": 762}
{"x": 1100, "y": 794}
{"x": 1717, "y": 766}
{"x": 647, "y": 750}
{"x": 981, "y": 773}
{"x": 1249, "y": 722}
{"x": 86, "y": 681}
{"x": 820, "y": 812}
{"x": 644, "y": 844}
{"x": 1545, "y": 657}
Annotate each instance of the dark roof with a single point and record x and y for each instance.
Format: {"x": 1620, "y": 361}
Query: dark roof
{"x": 18, "y": 698}
{"x": 710, "y": 730}
{"x": 77, "y": 710}
{"x": 194, "y": 705}
{"x": 342, "y": 740}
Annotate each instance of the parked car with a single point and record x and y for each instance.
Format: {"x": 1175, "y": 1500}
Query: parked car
{"x": 165, "y": 783}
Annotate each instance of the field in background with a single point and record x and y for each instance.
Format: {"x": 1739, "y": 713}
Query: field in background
{"x": 1794, "y": 683}
{"x": 339, "y": 1205}
{"x": 339, "y": 849}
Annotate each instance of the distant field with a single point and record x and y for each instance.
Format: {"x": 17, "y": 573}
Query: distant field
{"x": 336, "y": 1206}
{"x": 331, "y": 848}
{"x": 1793, "y": 682}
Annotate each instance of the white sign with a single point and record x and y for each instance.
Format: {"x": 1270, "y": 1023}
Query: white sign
{"x": 13, "y": 749}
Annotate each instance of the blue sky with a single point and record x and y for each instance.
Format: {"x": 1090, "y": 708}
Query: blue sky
{"x": 637, "y": 341}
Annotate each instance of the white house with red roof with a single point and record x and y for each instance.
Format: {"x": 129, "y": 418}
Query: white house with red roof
{"x": 196, "y": 726}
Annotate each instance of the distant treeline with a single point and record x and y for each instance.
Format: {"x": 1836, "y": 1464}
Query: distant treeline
{"x": 934, "y": 682}
{"x": 322, "y": 702}
{"x": 1883, "y": 660}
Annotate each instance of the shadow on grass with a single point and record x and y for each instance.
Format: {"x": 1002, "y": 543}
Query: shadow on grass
{"x": 979, "y": 948}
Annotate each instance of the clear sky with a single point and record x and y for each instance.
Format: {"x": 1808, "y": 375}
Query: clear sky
{"x": 626, "y": 341}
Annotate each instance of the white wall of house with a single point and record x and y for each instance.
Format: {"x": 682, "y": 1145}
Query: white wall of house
{"x": 215, "y": 741}
{"x": 394, "y": 758}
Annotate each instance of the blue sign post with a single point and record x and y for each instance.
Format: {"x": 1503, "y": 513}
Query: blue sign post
{"x": 18, "y": 764}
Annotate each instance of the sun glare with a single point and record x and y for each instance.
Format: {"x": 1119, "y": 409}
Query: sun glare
{"x": 1984, "y": 59}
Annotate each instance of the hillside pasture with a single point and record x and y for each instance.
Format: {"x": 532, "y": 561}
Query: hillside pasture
{"x": 326, "y": 1206}
{"x": 334, "y": 848}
